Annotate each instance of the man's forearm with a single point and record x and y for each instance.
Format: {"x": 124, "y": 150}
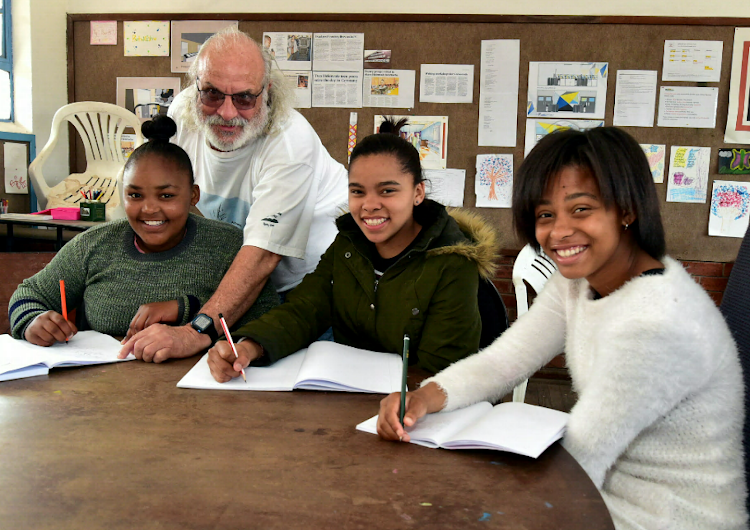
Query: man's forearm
{"x": 241, "y": 285}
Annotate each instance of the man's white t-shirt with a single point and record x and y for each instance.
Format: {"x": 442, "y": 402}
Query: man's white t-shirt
{"x": 283, "y": 190}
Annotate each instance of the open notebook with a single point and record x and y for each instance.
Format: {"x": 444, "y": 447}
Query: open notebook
{"x": 323, "y": 366}
{"x": 19, "y": 358}
{"x": 514, "y": 427}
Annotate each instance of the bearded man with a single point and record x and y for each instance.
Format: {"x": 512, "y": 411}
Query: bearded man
{"x": 260, "y": 166}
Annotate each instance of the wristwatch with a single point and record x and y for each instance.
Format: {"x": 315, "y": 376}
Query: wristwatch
{"x": 202, "y": 323}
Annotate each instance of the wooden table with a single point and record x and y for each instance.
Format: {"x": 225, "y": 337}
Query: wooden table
{"x": 59, "y": 224}
{"x": 120, "y": 447}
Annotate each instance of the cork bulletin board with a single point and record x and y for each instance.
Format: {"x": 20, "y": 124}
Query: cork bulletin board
{"x": 626, "y": 43}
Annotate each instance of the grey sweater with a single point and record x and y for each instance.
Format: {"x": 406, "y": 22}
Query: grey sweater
{"x": 103, "y": 270}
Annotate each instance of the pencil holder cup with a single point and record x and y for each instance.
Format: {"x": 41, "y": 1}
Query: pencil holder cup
{"x": 92, "y": 211}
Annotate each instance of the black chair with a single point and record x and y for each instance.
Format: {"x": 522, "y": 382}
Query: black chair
{"x": 493, "y": 312}
{"x": 735, "y": 307}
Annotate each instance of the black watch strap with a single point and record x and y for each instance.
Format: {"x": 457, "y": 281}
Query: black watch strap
{"x": 202, "y": 323}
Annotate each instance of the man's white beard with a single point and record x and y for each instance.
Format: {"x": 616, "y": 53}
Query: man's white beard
{"x": 251, "y": 128}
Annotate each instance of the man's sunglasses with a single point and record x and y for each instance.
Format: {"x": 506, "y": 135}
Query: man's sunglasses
{"x": 213, "y": 98}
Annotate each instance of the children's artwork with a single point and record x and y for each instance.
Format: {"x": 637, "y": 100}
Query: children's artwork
{"x": 729, "y": 209}
{"x": 147, "y": 96}
{"x": 655, "y": 155}
{"x": 688, "y": 174}
{"x": 538, "y": 129}
{"x": 734, "y": 161}
{"x": 188, "y": 36}
{"x": 146, "y": 38}
{"x": 16, "y": 162}
{"x": 428, "y": 135}
{"x": 738, "y": 115}
{"x": 494, "y": 181}
{"x": 103, "y": 32}
{"x": 567, "y": 90}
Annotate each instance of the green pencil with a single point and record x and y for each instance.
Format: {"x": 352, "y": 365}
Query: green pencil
{"x": 405, "y": 356}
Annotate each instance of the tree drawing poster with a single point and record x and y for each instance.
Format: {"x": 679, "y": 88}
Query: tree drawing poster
{"x": 729, "y": 209}
{"x": 494, "y": 181}
{"x": 688, "y": 174}
{"x": 655, "y": 156}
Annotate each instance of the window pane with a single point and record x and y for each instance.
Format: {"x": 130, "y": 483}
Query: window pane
{"x": 2, "y": 37}
{"x": 4, "y": 95}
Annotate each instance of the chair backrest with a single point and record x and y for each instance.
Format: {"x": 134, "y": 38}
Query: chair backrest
{"x": 735, "y": 306}
{"x": 100, "y": 127}
{"x": 534, "y": 269}
{"x": 493, "y": 313}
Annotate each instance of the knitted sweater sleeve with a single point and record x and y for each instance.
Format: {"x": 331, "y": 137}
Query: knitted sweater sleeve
{"x": 41, "y": 292}
{"x": 526, "y": 346}
{"x": 652, "y": 359}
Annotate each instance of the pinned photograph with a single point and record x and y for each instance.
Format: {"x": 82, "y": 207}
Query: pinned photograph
{"x": 147, "y": 96}
{"x": 188, "y": 36}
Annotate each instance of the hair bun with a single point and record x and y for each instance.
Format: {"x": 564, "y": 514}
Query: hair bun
{"x": 160, "y": 128}
{"x": 389, "y": 126}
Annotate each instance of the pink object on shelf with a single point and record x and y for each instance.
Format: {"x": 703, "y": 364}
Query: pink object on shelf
{"x": 70, "y": 214}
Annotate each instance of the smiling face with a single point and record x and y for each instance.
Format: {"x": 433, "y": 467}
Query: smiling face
{"x": 238, "y": 69}
{"x": 381, "y": 200}
{"x": 585, "y": 238}
{"x": 158, "y": 197}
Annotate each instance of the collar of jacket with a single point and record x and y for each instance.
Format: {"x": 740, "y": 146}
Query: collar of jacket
{"x": 437, "y": 230}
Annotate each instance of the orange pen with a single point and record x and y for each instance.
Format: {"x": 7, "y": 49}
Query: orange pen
{"x": 64, "y": 303}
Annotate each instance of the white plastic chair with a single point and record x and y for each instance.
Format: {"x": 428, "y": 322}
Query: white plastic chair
{"x": 100, "y": 126}
{"x": 534, "y": 269}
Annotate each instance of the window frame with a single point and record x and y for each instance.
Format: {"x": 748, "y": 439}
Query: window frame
{"x": 6, "y": 59}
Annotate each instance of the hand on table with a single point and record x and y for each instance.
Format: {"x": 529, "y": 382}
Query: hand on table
{"x": 158, "y": 342}
{"x": 225, "y": 366}
{"x": 428, "y": 399}
{"x": 153, "y": 313}
{"x": 48, "y": 328}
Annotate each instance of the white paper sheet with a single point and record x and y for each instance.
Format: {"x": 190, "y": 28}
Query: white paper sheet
{"x": 446, "y": 83}
{"x": 498, "y": 92}
{"x": 493, "y": 183}
{"x": 730, "y": 201}
{"x": 635, "y": 98}
{"x": 16, "y": 163}
{"x": 337, "y": 89}
{"x": 692, "y": 60}
{"x": 692, "y": 107}
{"x": 291, "y": 49}
{"x": 567, "y": 90}
{"x": 688, "y": 174}
{"x": 388, "y": 88}
{"x": 300, "y": 80}
{"x": 446, "y": 186}
{"x": 339, "y": 52}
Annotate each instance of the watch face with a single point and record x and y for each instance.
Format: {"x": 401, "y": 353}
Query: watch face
{"x": 201, "y": 322}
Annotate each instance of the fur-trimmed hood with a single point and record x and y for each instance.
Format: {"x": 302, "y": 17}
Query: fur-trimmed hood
{"x": 481, "y": 246}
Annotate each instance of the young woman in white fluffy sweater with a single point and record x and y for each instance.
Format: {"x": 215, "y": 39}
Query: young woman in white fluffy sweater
{"x": 658, "y": 422}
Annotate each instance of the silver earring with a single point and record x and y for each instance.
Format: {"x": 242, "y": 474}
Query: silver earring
{"x": 626, "y": 226}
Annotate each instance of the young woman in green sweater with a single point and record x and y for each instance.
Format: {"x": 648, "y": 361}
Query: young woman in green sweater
{"x": 158, "y": 265}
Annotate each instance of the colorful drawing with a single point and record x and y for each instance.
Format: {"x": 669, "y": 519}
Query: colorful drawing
{"x": 655, "y": 156}
{"x": 493, "y": 184}
{"x": 567, "y": 90}
{"x": 538, "y": 129}
{"x": 103, "y": 32}
{"x": 734, "y": 161}
{"x": 428, "y": 135}
{"x": 688, "y": 174}
{"x": 146, "y": 38}
{"x": 729, "y": 209}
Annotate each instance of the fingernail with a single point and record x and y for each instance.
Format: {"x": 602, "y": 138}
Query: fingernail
{"x": 400, "y": 438}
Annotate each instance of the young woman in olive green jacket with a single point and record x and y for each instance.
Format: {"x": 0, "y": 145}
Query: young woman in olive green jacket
{"x": 400, "y": 264}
